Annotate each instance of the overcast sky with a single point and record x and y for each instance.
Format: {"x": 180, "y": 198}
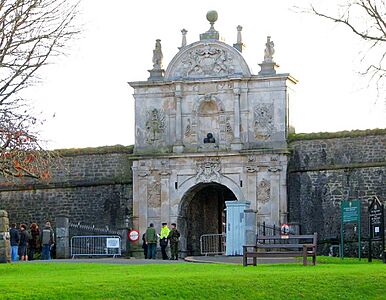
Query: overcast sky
{"x": 87, "y": 90}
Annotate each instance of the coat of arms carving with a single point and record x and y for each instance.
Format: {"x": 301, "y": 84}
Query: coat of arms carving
{"x": 208, "y": 170}
{"x": 207, "y": 61}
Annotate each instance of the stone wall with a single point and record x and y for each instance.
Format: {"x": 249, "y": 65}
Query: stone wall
{"x": 323, "y": 172}
{"x": 91, "y": 187}
{"x": 95, "y": 187}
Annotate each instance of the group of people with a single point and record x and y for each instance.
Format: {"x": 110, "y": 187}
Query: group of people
{"x": 150, "y": 239}
{"x": 26, "y": 243}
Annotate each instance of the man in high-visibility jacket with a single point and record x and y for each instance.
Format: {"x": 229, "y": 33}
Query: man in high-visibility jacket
{"x": 164, "y": 240}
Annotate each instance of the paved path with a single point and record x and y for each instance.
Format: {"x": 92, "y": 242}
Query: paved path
{"x": 119, "y": 261}
{"x": 218, "y": 259}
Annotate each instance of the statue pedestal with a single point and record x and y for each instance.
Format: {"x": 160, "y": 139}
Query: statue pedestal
{"x": 156, "y": 74}
{"x": 236, "y": 146}
{"x": 268, "y": 68}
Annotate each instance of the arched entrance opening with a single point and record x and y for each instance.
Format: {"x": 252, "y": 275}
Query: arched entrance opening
{"x": 202, "y": 212}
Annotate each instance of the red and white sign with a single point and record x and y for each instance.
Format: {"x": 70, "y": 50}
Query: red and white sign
{"x": 285, "y": 229}
{"x": 133, "y": 235}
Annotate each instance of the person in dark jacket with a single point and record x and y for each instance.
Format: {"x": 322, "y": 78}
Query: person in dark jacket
{"x": 144, "y": 245}
{"x": 23, "y": 244}
{"x": 47, "y": 241}
{"x": 14, "y": 239}
{"x": 34, "y": 242}
{"x": 151, "y": 241}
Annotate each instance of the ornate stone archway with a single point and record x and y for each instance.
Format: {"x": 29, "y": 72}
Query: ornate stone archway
{"x": 202, "y": 212}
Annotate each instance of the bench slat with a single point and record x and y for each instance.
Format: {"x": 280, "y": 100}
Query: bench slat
{"x": 283, "y": 245}
{"x": 278, "y": 237}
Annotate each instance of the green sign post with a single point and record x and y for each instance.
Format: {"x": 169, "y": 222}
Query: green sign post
{"x": 351, "y": 213}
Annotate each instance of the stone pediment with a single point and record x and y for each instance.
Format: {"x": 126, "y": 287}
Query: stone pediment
{"x": 206, "y": 59}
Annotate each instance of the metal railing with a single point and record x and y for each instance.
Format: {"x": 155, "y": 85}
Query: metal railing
{"x": 95, "y": 245}
{"x": 211, "y": 244}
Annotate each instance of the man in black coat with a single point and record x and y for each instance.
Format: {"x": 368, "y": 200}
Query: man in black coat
{"x": 14, "y": 239}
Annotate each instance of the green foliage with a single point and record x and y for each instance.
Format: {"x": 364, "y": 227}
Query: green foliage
{"x": 333, "y": 279}
{"x": 331, "y": 135}
{"x": 96, "y": 150}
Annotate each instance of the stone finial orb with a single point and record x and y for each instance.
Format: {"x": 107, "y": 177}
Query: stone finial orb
{"x": 212, "y": 16}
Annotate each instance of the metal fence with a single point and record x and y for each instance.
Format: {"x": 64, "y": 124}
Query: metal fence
{"x": 212, "y": 244}
{"x": 95, "y": 245}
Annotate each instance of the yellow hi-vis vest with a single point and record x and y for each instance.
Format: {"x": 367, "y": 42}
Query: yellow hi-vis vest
{"x": 164, "y": 232}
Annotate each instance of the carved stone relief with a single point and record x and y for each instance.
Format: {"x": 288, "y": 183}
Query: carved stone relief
{"x": 274, "y": 169}
{"x": 188, "y": 129}
{"x": 155, "y": 126}
{"x": 228, "y": 129}
{"x": 153, "y": 194}
{"x": 263, "y": 120}
{"x": 224, "y": 86}
{"x": 206, "y": 61}
{"x": 263, "y": 191}
{"x": 208, "y": 170}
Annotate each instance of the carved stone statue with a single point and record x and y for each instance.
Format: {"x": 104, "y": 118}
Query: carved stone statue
{"x": 269, "y": 50}
{"x": 157, "y": 55}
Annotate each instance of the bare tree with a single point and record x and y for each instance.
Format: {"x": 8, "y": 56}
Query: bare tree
{"x": 367, "y": 20}
{"x": 31, "y": 33}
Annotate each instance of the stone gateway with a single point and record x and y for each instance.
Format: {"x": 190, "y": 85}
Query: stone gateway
{"x": 209, "y": 131}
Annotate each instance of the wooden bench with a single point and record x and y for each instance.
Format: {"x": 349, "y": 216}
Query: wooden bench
{"x": 282, "y": 246}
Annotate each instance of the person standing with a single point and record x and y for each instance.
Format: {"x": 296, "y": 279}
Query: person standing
{"x": 151, "y": 241}
{"x": 47, "y": 241}
{"x": 144, "y": 245}
{"x": 14, "y": 239}
{"x": 163, "y": 242}
{"x": 174, "y": 237}
{"x": 23, "y": 244}
{"x": 34, "y": 241}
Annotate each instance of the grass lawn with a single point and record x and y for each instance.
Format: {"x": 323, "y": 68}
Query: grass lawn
{"x": 330, "y": 279}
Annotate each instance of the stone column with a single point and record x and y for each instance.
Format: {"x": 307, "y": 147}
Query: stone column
{"x": 5, "y": 247}
{"x": 62, "y": 237}
{"x": 178, "y": 147}
{"x": 236, "y": 143}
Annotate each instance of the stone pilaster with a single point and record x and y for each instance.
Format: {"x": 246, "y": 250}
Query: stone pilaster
{"x": 178, "y": 147}
{"x": 275, "y": 194}
{"x": 236, "y": 144}
{"x": 283, "y": 195}
{"x": 165, "y": 198}
{"x": 62, "y": 237}
{"x": 251, "y": 172}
